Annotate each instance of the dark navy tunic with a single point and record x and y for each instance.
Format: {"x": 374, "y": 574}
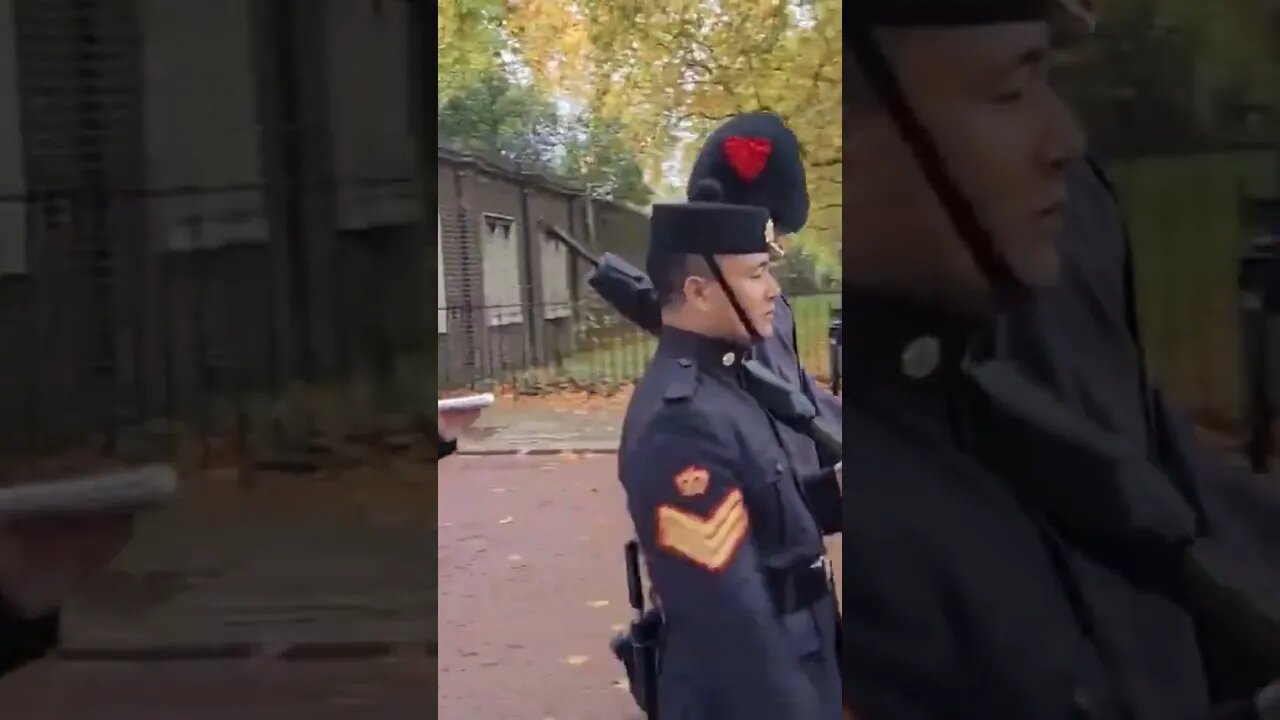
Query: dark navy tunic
{"x": 720, "y": 511}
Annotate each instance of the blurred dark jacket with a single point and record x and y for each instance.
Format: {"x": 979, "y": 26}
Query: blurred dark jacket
{"x": 1080, "y": 339}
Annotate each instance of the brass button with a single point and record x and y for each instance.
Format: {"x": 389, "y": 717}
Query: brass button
{"x": 921, "y": 356}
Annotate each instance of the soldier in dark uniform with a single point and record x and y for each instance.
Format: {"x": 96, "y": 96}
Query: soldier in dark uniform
{"x": 960, "y": 599}
{"x": 756, "y": 160}
{"x": 733, "y": 551}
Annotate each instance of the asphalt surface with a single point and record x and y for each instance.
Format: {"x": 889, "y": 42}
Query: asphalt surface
{"x": 531, "y": 588}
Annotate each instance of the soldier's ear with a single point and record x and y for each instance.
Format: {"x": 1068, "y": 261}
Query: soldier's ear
{"x": 697, "y": 291}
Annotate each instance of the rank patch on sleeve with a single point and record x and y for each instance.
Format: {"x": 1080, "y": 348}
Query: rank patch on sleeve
{"x": 692, "y": 481}
{"x": 709, "y": 541}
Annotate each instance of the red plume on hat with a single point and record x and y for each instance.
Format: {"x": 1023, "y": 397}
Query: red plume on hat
{"x": 747, "y": 155}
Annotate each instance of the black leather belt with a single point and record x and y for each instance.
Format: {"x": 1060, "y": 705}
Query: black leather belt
{"x": 801, "y": 585}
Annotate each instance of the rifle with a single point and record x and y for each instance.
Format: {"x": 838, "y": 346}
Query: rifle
{"x": 790, "y": 406}
{"x": 624, "y": 286}
{"x": 638, "y": 649}
{"x": 631, "y": 292}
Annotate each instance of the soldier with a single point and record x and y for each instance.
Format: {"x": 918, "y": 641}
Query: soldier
{"x": 756, "y": 160}
{"x": 732, "y": 549}
{"x": 1080, "y": 339}
{"x": 963, "y": 600}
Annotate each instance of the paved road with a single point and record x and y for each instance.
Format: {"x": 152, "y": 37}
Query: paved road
{"x": 531, "y": 588}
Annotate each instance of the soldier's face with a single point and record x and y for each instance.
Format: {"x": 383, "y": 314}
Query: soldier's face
{"x": 983, "y": 95}
{"x": 753, "y": 285}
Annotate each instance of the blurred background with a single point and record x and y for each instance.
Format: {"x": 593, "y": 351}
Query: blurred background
{"x": 213, "y": 252}
{"x": 1181, "y": 99}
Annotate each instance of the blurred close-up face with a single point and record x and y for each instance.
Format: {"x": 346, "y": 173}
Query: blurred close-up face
{"x": 753, "y": 285}
{"x": 982, "y": 93}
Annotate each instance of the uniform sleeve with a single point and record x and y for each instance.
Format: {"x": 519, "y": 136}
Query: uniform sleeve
{"x": 23, "y": 641}
{"x": 823, "y": 491}
{"x": 830, "y": 408}
{"x": 1241, "y": 510}
{"x": 1239, "y": 505}
{"x": 691, "y": 517}
{"x": 902, "y": 658}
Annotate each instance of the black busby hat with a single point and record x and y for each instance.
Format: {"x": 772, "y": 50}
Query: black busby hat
{"x": 706, "y": 225}
{"x": 756, "y": 159}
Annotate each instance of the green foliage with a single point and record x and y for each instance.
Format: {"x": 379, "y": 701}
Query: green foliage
{"x": 497, "y": 115}
{"x": 1170, "y": 76}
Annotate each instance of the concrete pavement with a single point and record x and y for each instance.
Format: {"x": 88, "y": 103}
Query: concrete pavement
{"x": 272, "y": 564}
{"x": 547, "y": 425}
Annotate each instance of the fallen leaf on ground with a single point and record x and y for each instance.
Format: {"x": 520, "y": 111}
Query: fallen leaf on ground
{"x": 576, "y": 660}
{"x": 506, "y": 520}
{"x": 598, "y": 603}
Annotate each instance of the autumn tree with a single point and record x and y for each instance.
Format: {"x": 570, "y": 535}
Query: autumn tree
{"x": 1165, "y": 76}
{"x": 498, "y": 115}
{"x": 469, "y": 44}
{"x": 667, "y": 72}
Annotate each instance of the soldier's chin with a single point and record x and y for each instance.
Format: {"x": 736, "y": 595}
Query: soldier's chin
{"x": 1036, "y": 265}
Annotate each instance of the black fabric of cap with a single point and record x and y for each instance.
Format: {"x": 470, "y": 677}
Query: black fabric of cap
{"x": 756, "y": 159}
{"x": 901, "y": 13}
{"x": 708, "y": 228}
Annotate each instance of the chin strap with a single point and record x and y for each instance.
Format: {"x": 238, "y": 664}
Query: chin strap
{"x": 733, "y": 299}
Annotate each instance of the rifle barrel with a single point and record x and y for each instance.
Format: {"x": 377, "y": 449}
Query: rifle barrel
{"x": 574, "y": 246}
